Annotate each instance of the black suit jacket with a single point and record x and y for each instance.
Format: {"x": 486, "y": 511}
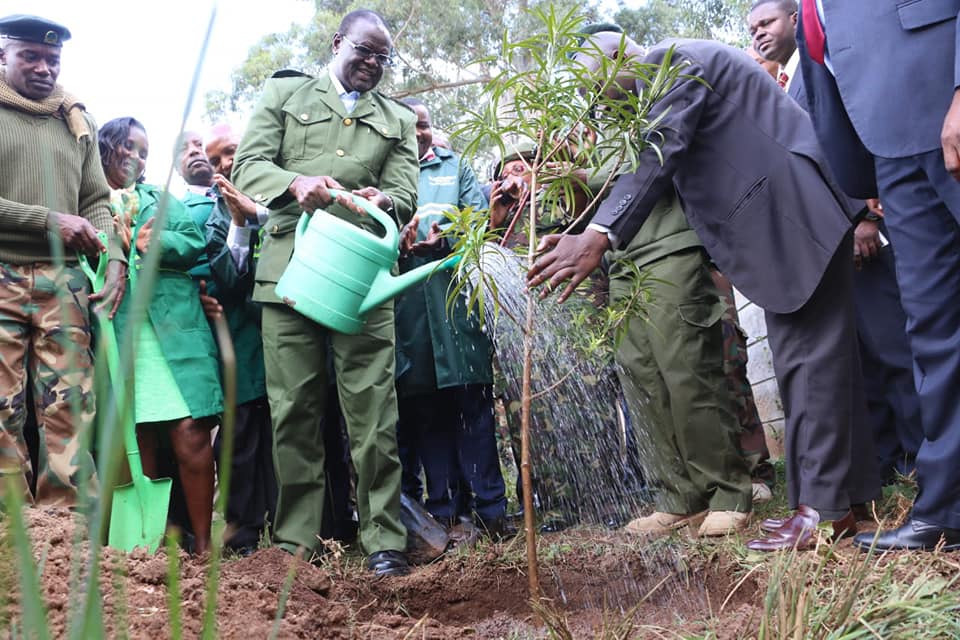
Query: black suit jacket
{"x": 746, "y": 165}
{"x": 866, "y": 176}
{"x": 849, "y": 159}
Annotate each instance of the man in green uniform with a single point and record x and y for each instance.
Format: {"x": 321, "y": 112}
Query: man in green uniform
{"x": 672, "y": 365}
{"x": 308, "y": 135}
{"x": 51, "y": 184}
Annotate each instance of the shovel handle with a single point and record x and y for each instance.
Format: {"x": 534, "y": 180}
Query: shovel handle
{"x": 108, "y": 336}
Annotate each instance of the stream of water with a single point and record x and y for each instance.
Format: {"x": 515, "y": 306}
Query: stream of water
{"x": 583, "y": 451}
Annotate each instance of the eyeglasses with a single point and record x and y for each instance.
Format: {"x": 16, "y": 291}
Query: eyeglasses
{"x": 365, "y": 52}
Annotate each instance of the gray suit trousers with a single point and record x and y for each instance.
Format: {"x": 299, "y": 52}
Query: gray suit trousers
{"x": 828, "y": 446}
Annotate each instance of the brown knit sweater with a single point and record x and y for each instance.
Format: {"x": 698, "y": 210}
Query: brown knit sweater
{"x": 44, "y": 168}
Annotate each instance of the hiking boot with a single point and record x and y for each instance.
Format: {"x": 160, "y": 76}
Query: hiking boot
{"x": 761, "y": 492}
{"x": 660, "y": 523}
{"x": 720, "y": 523}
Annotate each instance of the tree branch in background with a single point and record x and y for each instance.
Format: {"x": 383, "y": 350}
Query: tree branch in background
{"x": 439, "y": 86}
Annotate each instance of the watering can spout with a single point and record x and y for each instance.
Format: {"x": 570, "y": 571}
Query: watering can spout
{"x": 388, "y": 286}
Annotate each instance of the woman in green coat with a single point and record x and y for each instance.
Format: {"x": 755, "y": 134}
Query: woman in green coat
{"x": 177, "y": 392}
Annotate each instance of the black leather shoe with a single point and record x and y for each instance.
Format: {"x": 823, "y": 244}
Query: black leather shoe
{"x": 915, "y": 535}
{"x": 388, "y": 563}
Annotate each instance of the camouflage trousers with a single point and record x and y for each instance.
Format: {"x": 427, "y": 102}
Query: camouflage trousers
{"x": 45, "y": 343}
{"x": 752, "y": 441}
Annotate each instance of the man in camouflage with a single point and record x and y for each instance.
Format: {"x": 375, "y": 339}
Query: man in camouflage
{"x": 52, "y": 190}
{"x": 752, "y": 440}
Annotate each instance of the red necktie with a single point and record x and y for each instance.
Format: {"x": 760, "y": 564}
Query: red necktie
{"x": 782, "y": 79}
{"x": 813, "y": 31}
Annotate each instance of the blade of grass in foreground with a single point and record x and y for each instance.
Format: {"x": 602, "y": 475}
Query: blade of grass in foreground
{"x": 173, "y": 585}
{"x": 89, "y": 624}
{"x": 284, "y": 597}
{"x": 229, "y": 359}
{"x": 31, "y": 597}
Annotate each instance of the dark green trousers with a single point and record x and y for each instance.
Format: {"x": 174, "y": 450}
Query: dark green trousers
{"x": 295, "y": 355}
{"x": 671, "y": 363}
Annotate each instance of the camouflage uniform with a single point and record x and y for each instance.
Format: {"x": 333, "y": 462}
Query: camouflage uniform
{"x": 45, "y": 338}
{"x": 752, "y": 441}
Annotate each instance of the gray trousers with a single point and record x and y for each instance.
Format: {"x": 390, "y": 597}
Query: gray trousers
{"x": 828, "y": 444}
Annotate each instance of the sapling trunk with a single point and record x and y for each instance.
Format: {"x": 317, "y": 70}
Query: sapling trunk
{"x": 526, "y": 400}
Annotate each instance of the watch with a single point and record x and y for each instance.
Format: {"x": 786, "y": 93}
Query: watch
{"x": 872, "y": 216}
{"x": 390, "y": 208}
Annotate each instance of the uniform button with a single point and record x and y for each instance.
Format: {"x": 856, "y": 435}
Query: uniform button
{"x": 258, "y": 197}
{"x": 304, "y": 116}
{"x": 275, "y": 228}
{"x": 384, "y": 130}
{"x": 348, "y": 121}
{"x": 340, "y": 152}
{"x": 627, "y": 196}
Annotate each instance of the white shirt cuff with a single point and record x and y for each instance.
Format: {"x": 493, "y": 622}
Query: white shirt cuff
{"x": 238, "y": 244}
{"x": 611, "y": 236}
{"x": 262, "y": 214}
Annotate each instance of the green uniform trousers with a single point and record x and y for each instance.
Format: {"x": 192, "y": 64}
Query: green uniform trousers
{"x": 672, "y": 363}
{"x": 295, "y": 355}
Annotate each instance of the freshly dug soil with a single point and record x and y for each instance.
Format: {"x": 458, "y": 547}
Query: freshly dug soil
{"x": 591, "y": 580}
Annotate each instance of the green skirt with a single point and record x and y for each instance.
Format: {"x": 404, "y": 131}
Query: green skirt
{"x": 157, "y": 397}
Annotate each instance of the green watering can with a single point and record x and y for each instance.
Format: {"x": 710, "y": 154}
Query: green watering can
{"x": 138, "y": 515}
{"x": 339, "y": 271}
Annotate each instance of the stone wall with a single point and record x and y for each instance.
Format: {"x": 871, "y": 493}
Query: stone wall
{"x": 760, "y": 372}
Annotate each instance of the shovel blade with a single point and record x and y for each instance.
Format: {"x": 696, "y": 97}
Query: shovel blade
{"x": 427, "y": 539}
{"x": 138, "y": 516}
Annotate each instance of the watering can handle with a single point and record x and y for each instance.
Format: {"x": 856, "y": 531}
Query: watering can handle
{"x": 392, "y": 239}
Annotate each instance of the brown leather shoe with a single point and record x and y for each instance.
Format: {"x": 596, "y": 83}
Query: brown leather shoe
{"x": 860, "y": 511}
{"x": 799, "y": 531}
{"x": 770, "y": 525}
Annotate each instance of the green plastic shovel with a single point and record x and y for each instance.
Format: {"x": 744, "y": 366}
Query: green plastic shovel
{"x": 138, "y": 516}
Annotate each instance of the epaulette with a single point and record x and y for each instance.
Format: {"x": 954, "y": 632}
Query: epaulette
{"x": 290, "y": 73}
{"x": 396, "y": 101}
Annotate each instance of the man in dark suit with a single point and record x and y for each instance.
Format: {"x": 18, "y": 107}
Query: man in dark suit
{"x": 893, "y": 409}
{"x": 888, "y": 117}
{"x": 744, "y": 160}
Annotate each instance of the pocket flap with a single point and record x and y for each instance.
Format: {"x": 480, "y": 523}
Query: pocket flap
{"x": 915, "y": 14}
{"x": 281, "y": 225}
{"x": 704, "y": 313}
{"x": 387, "y": 130}
{"x": 306, "y": 115}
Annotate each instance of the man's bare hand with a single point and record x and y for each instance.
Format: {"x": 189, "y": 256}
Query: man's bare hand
{"x": 408, "y": 235}
{"x": 143, "y": 236}
{"x": 505, "y": 196}
{"x": 242, "y": 209}
{"x": 557, "y": 170}
{"x": 429, "y": 245}
{"x": 77, "y": 233}
{"x": 866, "y": 242}
{"x": 312, "y": 192}
{"x": 211, "y": 306}
{"x": 114, "y": 288}
{"x": 376, "y": 197}
{"x": 568, "y": 257}
{"x": 950, "y": 137}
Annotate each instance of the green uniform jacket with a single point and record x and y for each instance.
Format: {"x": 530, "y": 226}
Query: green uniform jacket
{"x": 232, "y": 288}
{"x": 434, "y": 350}
{"x": 175, "y": 310}
{"x": 666, "y": 231}
{"x": 300, "y": 127}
